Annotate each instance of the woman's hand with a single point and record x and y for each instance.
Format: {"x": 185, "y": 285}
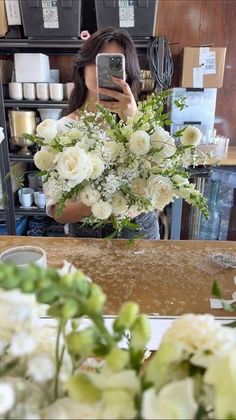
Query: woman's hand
{"x": 125, "y": 105}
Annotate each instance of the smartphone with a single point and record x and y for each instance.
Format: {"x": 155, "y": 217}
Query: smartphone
{"x": 109, "y": 65}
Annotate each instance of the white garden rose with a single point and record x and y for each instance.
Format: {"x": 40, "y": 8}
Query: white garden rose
{"x": 174, "y": 401}
{"x": 74, "y": 164}
{"x": 47, "y": 129}
{"x": 139, "y": 143}
{"x": 191, "y": 136}
{"x": 44, "y": 160}
{"x": 138, "y": 186}
{"x": 89, "y": 196}
{"x": 97, "y": 164}
{"x": 1, "y": 135}
{"x": 101, "y": 210}
{"x": 160, "y": 191}
{"x": 119, "y": 204}
{"x": 162, "y": 140}
{"x": 111, "y": 151}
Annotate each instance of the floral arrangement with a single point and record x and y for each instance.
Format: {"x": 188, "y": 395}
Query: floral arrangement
{"x": 67, "y": 370}
{"x": 119, "y": 169}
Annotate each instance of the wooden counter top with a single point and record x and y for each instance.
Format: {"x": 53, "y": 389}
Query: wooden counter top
{"x": 231, "y": 158}
{"x": 165, "y": 277}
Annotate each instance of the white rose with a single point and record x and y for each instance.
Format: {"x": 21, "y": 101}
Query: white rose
{"x": 111, "y": 151}
{"x": 119, "y": 204}
{"x": 98, "y": 165}
{"x": 161, "y": 139}
{"x": 89, "y": 196}
{"x": 160, "y": 191}
{"x": 47, "y": 129}
{"x": 138, "y": 186}
{"x": 1, "y": 135}
{"x": 191, "y": 136}
{"x": 101, "y": 210}
{"x": 74, "y": 164}
{"x": 44, "y": 160}
{"x": 139, "y": 143}
{"x": 174, "y": 401}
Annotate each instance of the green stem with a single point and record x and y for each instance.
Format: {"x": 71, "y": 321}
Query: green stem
{"x": 59, "y": 357}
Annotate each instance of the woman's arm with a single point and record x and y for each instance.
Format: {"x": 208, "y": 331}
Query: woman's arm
{"x": 74, "y": 211}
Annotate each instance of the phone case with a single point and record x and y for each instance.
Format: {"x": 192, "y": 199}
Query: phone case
{"x": 109, "y": 65}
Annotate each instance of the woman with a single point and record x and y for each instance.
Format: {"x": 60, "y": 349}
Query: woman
{"x": 85, "y": 93}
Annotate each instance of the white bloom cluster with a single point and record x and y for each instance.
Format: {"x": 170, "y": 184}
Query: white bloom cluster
{"x": 97, "y": 162}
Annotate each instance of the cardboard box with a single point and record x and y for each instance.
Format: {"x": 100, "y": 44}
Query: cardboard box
{"x": 32, "y": 67}
{"x": 203, "y": 67}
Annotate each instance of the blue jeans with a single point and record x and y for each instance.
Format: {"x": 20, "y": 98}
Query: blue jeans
{"x": 147, "y": 222}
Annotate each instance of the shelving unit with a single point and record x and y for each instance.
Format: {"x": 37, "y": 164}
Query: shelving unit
{"x": 50, "y": 47}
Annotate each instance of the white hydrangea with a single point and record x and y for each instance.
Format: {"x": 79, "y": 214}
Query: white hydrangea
{"x": 101, "y": 210}
{"x": 119, "y": 204}
{"x": 7, "y": 397}
{"x": 139, "y": 143}
{"x": 44, "y": 160}
{"x": 160, "y": 190}
{"x": 191, "y": 136}
{"x": 89, "y": 196}
{"x": 97, "y": 164}
{"x": 40, "y": 368}
{"x": 47, "y": 129}
{"x": 74, "y": 164}
{"x": 53, "y": 189}
{"x": 22, "y": 343}
{"x": 161, "y": 139}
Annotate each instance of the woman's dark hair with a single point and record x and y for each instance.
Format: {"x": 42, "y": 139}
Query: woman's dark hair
{"x": 87, "y": 55}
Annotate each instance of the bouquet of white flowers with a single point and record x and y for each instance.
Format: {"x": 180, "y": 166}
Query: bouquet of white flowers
{"x": 70, "y": 370}
{"x": 119, "y": 168}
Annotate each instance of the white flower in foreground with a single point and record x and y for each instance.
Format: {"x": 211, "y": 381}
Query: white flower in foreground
{"x": 97, "y": 164}
{"x": 174, "y": 401}
{"x": 118, "y": 404}
{"x": 221, "y": 375}
{"x": 53, "y": 191}
{"x": 67, "y": 408}
{"x": 68, "y": 268}
{"x": 89, "y": 196}
{"x": 41, "y": 368}
{"x": 22, "y": 344}
{"x": 119, "y": 204}
{"x": 47, "y": 129}
{"x": 74, "y": 164}
{"x": 101, "y": 210}
{"x": 191, "y": 136}
{"x": 44, "y": 160}
{"x": 180, "y": 180}
{"x": 162, "y": 140}
{"x": 7, "y": 397}
{"x": 1, "y": 135}
{"x": 202, "y": 338}
{"x": 139, "y": 143}
{"x": 160, "y": 191}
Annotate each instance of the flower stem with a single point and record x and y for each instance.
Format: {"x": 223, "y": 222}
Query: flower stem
{"x": 59, "y": 356}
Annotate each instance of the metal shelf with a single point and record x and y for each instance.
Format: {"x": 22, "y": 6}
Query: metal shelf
{"x": 20, "y": 158}
{"x": 10, "y": 103}
{"x": 20, "y": 211}
{"x": 53, "y": 46}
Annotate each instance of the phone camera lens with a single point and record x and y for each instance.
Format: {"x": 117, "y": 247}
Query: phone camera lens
{"x": 115, "y": 63}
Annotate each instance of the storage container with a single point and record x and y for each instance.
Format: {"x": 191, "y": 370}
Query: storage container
{"x": 51, "y": 19}
{"x": 138, "y": 17}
